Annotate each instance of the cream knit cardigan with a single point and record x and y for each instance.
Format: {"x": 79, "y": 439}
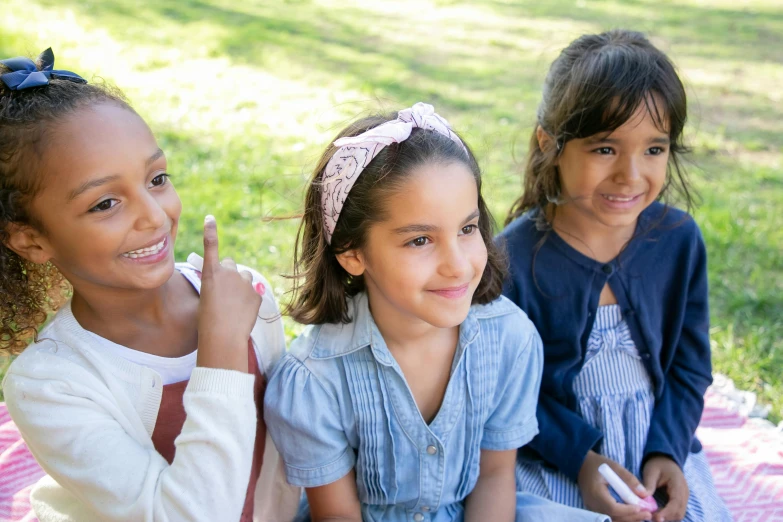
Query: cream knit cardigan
{"x": 88, "y": 418}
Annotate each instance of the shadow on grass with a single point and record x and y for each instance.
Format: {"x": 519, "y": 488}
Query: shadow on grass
{"x": 483, "y": 55}
{"x": 360, "y": 47}
{"x": 708, "y": 32}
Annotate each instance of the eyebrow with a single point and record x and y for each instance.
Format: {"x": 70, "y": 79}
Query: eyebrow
{"x": 152, "y": 159}
{"x": 84, "y": 187}
{"x": 662, "y": 140}
{"x": 91, "y": 184}
{"x": 421, "y": 228}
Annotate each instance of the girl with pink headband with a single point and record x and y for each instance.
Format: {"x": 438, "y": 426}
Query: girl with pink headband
{"x": 413, "y": 387}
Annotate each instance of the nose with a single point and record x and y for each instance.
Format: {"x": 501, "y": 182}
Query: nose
{"x": 629, "y": 169}
{"x": 454, "y": 262}
{"x": 150, "y": 212}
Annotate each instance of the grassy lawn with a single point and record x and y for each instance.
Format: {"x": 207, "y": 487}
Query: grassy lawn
{"x": 243, "y": 97}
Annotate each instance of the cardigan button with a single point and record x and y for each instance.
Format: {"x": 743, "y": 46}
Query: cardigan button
{"x": 607, "y": 268}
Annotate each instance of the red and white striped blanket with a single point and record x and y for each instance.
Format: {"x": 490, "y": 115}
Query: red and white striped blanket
{"x": 746, "y": 460}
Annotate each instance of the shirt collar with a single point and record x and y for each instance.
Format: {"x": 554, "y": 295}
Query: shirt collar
{"x": 337, "y": 340}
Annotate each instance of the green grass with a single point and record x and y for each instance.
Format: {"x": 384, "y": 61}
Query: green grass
{"x": 244, "y": 96}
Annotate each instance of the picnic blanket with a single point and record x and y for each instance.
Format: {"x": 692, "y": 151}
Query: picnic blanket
{"x": 745, "y": 454}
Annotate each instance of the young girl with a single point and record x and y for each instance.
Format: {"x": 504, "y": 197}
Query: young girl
{"x": 616, "y": 283}
{"x": 408, "y": 398}
{"x": 130, "y": 420}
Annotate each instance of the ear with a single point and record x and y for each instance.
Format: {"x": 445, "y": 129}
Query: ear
{"x": 545, "y": 140}
{"x": 28, "y": 243}
{"x": 352, "y": 261}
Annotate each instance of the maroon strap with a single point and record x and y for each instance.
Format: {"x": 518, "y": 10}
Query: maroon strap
{"x": 171, "y": 418}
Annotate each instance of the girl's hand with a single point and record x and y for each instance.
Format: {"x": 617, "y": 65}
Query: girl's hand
{"x": 227, "y": 310}
{"x": 596, "y": 495}
{"x": 661, "y": 471}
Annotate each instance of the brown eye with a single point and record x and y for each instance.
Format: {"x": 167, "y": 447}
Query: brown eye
{"x": 160, "y": 180}
{"x": 418, "y": 242}
{"x": 104, "y": 205}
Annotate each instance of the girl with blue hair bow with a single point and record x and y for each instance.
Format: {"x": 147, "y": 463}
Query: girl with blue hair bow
{"x": 141, "y": 397}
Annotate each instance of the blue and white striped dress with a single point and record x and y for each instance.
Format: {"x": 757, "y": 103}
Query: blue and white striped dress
{"x": 615, "y": 396}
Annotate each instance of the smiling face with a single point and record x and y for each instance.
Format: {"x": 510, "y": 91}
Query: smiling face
{"x": 422, "y": 264}
{"x": 608, "y": 179}
{"x": 107, "y": 211}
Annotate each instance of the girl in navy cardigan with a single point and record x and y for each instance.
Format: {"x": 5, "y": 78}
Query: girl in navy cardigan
{"x": 615, "y": 280}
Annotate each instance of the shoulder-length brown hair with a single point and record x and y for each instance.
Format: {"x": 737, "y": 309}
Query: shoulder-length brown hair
{"x": 322, "y": 287}
{"x": 596, "y": 85}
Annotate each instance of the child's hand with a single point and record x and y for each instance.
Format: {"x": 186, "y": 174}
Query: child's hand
{"x": 227, "y": 310}
{"x": 596, "y": 495}
{"x": 662, "y": 472}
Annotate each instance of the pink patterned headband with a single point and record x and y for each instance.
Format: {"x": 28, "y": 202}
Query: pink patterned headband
{"x": 356, "y": 152}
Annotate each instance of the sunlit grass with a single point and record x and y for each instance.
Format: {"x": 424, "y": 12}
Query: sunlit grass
{"x": 244, "y": 96}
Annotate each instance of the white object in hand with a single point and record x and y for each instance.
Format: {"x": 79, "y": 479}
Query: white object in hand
{"x": 622, "y": 489}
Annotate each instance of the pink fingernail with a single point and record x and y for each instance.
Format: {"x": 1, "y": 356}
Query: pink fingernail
{"x": 259, "y": 288}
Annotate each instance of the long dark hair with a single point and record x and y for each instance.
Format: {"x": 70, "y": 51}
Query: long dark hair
{"x": 596, "y": 85}
{"x": 322, "y": 286}
{"x": 28, "y": 118}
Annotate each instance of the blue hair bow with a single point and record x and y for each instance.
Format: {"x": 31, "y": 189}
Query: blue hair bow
{"x": 25, "y": 74}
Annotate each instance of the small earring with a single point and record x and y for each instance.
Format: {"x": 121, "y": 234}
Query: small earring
{"x": 555, "y": 200}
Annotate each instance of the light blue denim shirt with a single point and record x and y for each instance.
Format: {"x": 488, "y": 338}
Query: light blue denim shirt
{"x": 339, "y": 400}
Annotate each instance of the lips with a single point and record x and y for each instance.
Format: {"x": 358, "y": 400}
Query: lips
{"x": 612, "y": 197}
{"x": 149, "y": 250}
{"x": 453, "y": 292}
{"x": 621, "y": 201}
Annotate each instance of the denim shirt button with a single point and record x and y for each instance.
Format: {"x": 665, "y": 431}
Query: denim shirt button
{"x": 432, "y": 450}
{"x": 418, "y": 517}
{"x": 607, "y": 269}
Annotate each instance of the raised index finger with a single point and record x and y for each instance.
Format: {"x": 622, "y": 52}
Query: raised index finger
{"x": 211, "y": 257}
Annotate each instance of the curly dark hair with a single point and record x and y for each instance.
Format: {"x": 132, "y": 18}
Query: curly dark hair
{"x": 322, "y": 286}
{"x": 28, "y": 118}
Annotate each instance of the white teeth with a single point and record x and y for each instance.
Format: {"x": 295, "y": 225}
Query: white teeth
{"x": 618, "y": 198}
{"x": 144, "y": 252}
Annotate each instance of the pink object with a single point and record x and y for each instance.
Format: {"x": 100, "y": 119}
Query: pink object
{"x": 624, "y": 491}
{"x": 648, "y": 504}
{"x": 356, "y": 152}
{"x": 746, "y": 462}
{"x": 18, "y": 472}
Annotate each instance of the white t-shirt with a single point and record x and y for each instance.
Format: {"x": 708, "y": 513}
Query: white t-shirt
{"x": 171, "y": 369}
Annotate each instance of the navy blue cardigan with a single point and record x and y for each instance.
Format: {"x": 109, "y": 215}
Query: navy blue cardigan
{"x": 660, "y": 282}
